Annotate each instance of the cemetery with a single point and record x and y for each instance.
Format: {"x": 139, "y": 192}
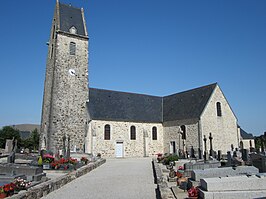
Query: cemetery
{"x": 34, "y": 175}
{"x": 237, "y": 174}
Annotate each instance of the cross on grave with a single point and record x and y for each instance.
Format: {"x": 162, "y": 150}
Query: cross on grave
{"x": 192, "y": 152}
{"x": 64, "y": 146}
{"x": 68, "y": 147}
{"x": 205, "y": 148}
{"x": 211, "y": 149}
{"x": 200, "y": 153}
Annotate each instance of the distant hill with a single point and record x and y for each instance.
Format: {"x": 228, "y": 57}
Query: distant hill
{"x": 26, "y": 129}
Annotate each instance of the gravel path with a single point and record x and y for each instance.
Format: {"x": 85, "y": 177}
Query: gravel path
{"x": 117, "y": 178}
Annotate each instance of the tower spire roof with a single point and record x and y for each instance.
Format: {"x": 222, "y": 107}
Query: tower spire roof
{"x": 71, "y": 18}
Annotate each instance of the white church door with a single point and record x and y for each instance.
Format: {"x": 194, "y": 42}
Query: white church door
{"x": 119, "y": 149}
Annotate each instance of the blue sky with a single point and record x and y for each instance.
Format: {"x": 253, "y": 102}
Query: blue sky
{"x": 154, "y": 47}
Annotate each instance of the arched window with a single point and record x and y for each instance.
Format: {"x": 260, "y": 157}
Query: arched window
{"x": 219, "y": 110}
{"x": 107, "y": 132}
{"x": 154, "y": 133}
{"x": 72, "y": 48}
{"x": 183, "y": 129}
{"x": 133, "y": 133}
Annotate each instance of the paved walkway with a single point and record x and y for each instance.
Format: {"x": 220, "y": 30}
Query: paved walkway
{"x": 117, "y": 178}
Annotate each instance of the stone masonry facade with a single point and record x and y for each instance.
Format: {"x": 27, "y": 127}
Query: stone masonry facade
{"x": 223, "y": 128}
{"x": 144, "y": 145}
{"x": 64, "y": 104}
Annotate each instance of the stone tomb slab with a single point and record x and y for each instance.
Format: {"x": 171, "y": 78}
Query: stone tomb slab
{"x": 223, "y": 172}
{"x": 31, "y": 172}
{"x": 234, "y": 183}
{"x": 201, "y": 165}
{"x": 232, "y": 194}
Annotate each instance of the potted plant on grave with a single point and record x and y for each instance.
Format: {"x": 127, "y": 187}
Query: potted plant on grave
{"x": 47, "y": 160}
{"x": 20, "y": 184}
{"x": 72, "y": 162}
{"x": 193, "y": 192}
{"x": 2, "y": 192}
{"x": 7, "y": 190}
{"x": 55, "y": 165}
{"x": 159, "y": 157}
{"x": 84, "y": 160}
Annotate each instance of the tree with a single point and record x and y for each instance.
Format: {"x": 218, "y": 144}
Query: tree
{"x": 35, "y": 138}
{"x": 32, "y": 142}
{"x": 9, "y": 132}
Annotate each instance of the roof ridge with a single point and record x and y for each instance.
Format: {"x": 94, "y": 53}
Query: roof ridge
{"x": 193, "y": 89}
{"x": 131, "y": 93}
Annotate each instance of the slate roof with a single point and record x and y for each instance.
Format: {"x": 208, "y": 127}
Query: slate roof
{"x": 70, "y": 16}
{"x": 188, "y": 104}
{"x": 123, "y": 106}
{"x": 245, "y": 135}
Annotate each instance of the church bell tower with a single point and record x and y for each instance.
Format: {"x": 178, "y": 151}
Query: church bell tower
{"x": 64, "y": 112}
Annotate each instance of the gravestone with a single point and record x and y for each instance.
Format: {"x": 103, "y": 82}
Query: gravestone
{"x": 229, "y": 158}
{"x": 9, "y": 146}
{"x": 232, "y": 147}
{"x": 219, "y": 155}
{"x": 172, "y": 173}
{"x": 11, "y": 157}
{"x": 245, "y": 154}
{"x": 192, "y": 152}
{"x": 200, "y": 153}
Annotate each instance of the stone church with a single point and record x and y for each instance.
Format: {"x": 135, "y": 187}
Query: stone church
{"x": 121, "y": 124}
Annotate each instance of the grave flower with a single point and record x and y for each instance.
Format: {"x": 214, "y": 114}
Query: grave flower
{"x": 55, "y": 165}
{"x": 193, "y": 192}
{"x": 47, "y": 158}
{"x": 84, "y": 160}
{"x": 72, "y": 161}
{"x": 8, "y": 189}
{"x": 21, "y": 184}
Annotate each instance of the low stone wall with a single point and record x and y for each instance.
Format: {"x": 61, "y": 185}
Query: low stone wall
{"x": 49, "y": 186}
{"x": 162, "y": 189}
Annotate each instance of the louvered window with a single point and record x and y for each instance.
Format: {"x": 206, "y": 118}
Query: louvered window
{"x": 72, "y": 48}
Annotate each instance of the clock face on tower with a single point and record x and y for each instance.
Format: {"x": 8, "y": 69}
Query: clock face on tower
{"x": 72, "y": 72}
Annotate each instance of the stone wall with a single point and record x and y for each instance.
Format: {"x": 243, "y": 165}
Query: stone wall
{"x": 223, "y": 128}
{"x": 246, "y": 143}
{"x": 144, "y": 145}
{"x": 45, "y": 188}
{"x": 171, "y": 133}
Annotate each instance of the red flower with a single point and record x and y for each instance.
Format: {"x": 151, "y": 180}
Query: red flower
{"x": 193, "y": 192}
